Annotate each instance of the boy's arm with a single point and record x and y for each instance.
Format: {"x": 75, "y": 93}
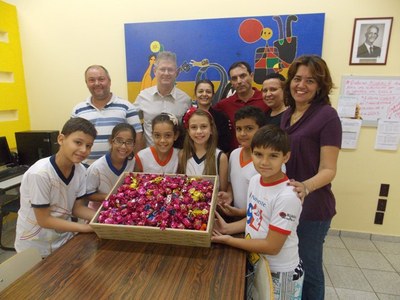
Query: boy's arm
{"x": 98, "y": 197}
{"x": 271, "y": 245}
{"x": 80, "y": 210}
{"x": 46, "y": 220}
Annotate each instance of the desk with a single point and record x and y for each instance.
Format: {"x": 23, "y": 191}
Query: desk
{"x": 8, "y": 203}
{"x": 10, "y": 183}
{"x": 89, "y": 268}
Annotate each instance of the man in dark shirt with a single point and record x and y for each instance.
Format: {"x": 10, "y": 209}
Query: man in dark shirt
{"x": 241, "y": 78}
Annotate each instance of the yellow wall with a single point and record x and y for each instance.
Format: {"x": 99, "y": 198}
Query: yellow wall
{"x": 14, "y": 114}
{"x": 61, "y": 38}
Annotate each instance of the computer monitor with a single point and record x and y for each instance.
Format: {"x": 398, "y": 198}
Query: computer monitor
{"x": 33, "y": 145}
{"x": 5, "y": 154}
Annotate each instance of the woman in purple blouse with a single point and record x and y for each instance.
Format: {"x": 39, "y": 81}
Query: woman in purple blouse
{"x": 315, "y": 134}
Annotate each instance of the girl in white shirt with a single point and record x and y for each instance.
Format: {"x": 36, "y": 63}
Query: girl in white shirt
{"x": 104, "y": 172}
{"x": 162, "y": 157}
{"x": 200, "y": 155}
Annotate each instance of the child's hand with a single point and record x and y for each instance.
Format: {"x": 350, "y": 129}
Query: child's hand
{"x": 218, "y": 237}
{"x": 231, "y": 211}
{"x": 224, "y": 198}
{"x": 219, "y": 224}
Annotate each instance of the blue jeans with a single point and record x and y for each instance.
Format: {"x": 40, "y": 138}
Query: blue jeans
{"x": 311, "y": 239}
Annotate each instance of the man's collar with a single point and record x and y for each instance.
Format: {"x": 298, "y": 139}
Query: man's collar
{"x": 249, "y": 99}
{"x": 90, "y": 102}
{"x": 172, "y": 93}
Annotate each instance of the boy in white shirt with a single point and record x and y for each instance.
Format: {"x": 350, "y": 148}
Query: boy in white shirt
{"x": 233, "y": 203}
{"x": 273, "y": 212}
{"x": 52, "y": 191}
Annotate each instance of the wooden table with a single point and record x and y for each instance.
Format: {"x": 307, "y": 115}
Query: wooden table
{"x": 89, "y": 268}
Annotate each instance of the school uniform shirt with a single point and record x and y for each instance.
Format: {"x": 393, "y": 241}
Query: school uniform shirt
{"x": 149, "y": 162}
{"x": 240, "y": 173}
{"x": 274, "y": 206}
{"x": 44, "y": 185}
{"x": 195, "y": 165}
{"x": 102, "y": 176}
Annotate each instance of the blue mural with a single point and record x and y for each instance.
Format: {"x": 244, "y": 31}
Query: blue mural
{"x": 206, "y": 48}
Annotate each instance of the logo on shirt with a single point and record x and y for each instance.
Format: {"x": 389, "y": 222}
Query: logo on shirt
{"x": 286, "y": 216}
{"x": 254, "y": 216}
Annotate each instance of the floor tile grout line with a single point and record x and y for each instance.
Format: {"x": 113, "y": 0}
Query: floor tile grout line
{"x": 398, "y": 272}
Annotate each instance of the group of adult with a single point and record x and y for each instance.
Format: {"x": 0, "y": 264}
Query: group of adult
{"x": 306, "y": 115}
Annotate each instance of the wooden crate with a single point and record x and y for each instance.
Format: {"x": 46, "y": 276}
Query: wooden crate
{"x": 150, "y": 234}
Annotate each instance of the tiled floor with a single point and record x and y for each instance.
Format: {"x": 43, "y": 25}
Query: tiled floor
{"x": 356, "y": 266}
{"x": 362, "y": 267}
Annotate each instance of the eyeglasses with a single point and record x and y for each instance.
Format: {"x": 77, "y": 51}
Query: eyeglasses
{"x": 167, "y": 70}
{"x": 120, "y": 142}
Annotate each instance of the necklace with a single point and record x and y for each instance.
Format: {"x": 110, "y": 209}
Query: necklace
{"x": 295, "y": 117}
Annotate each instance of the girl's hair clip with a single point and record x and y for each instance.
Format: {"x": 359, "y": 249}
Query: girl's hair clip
{"x": 188, "y": 115}
{"x": 172, "y": 118}
{"x": 191, "y": 111}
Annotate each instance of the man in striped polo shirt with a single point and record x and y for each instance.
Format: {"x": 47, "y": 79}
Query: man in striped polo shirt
{"x": 105, "y": 110}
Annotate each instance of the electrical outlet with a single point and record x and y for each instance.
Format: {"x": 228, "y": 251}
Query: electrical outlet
{"x": 379, "y": 218}
{"x": 384, "y": 192}
{"x": 381, "y": 205}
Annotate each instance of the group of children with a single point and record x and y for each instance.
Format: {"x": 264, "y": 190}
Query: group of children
{"x": 253, "y": 190}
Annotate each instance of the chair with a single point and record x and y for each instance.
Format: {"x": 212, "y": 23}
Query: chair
{"x": 18, "y": 265}
{"x": 263, "y": 287}
{"x": 8, "y": 204}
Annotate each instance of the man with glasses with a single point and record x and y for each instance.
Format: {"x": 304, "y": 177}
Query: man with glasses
{"x": 164, "y": 97}
{"x": 105, "y": 110}
{"x": 368, "y": 49}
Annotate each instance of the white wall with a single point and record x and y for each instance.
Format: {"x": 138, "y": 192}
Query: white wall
{"x": 61, "y": 38}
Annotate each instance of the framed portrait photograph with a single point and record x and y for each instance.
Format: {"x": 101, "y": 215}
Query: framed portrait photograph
{"x": 370, "y": 44}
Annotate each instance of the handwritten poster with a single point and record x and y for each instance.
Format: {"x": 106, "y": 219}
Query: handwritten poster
{"x": 378, "y": 97}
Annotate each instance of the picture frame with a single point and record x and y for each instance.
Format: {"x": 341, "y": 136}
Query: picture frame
{"x": 367, "y": 32}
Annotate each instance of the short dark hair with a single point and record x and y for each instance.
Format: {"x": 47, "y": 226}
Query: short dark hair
{"x": 98, "y": 67}
{"x": 240, "y": 64}
{"x": 251, "y": 112}
{"x": 271, "y": 136}
{"x": 208, "y": 81}
{"x": 79, "y": 124}
{"x": 275, "y": 75}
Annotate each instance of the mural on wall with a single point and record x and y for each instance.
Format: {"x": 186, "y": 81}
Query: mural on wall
{"x": 206, "y": 48}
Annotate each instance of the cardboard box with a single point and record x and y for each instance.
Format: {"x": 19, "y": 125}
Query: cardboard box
{"x": 150, "y": 234}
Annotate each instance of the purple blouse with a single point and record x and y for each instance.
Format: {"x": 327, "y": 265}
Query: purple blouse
{"x": 319, "y": 126}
